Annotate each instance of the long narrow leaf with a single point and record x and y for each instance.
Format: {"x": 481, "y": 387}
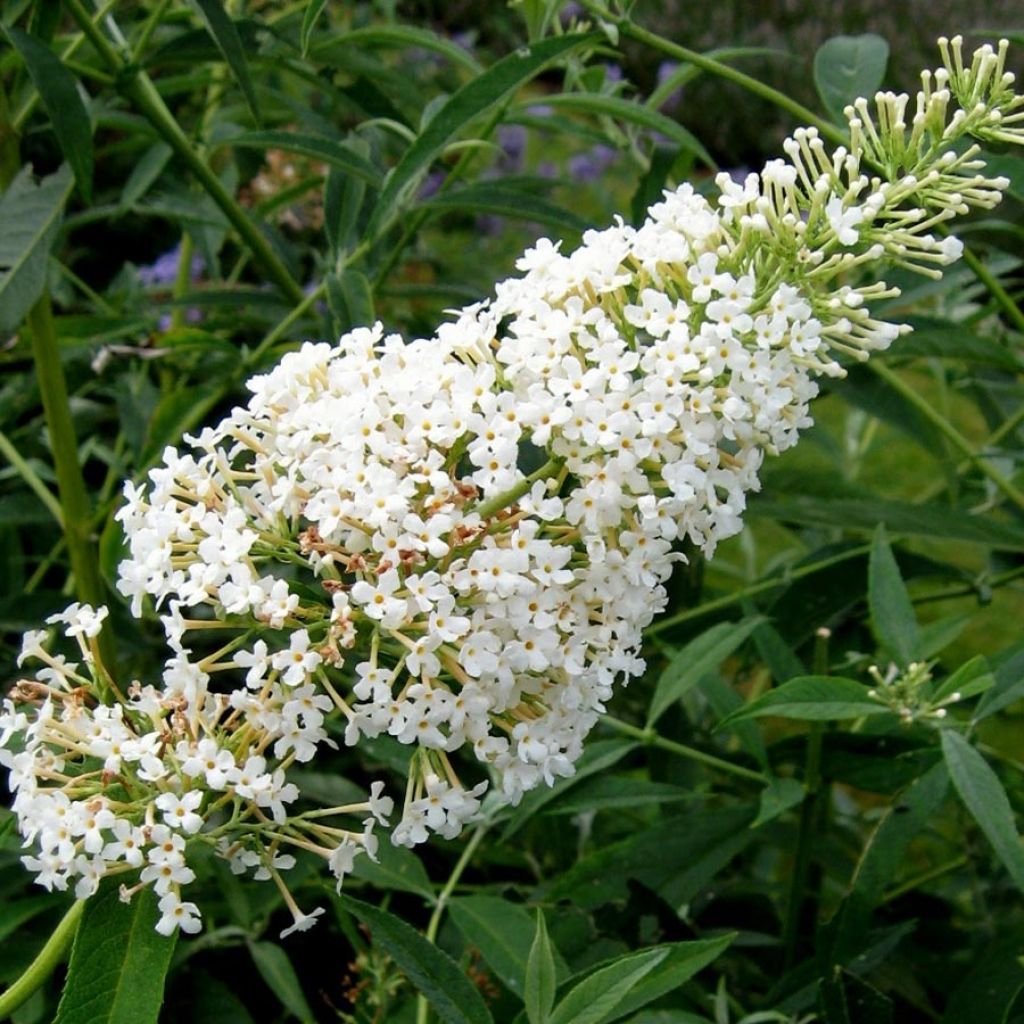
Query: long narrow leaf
{"x": 395, "y": 36}
{"x": 454, "y": 998}
{"x": 118, "y": 962}
{"x": 316, "y": 146}
{"x": 892, "y": 614}
{"x": 983, "y": 795}
{"x": 497, "y": 82}
{"x": 30, "y": 216}
{"x": 626, "y": 110}
{"x": 225, "y": 35}
{"x": 58, "y": 89}
{"x": 696, "y": 659}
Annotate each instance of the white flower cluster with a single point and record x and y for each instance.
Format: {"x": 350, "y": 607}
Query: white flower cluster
{"x": 458, "y": 541}
{"x": 119, "y": 785}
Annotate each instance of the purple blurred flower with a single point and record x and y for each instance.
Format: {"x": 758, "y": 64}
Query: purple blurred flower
{"x": 192, "y": 316}
{"x": 666, "y": 69}
{"x": 612, "y": 73}
{"x": 489, "y": 224}
{"x": 431, "y": 183}
{"x": 589, "y": 166}
{"x": 512, "y": 139}
{"x": 164, "y": 269}
{"x": 571, "y": 10}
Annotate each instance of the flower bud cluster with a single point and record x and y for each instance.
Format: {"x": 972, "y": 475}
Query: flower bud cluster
{"x": 457, "y": 542}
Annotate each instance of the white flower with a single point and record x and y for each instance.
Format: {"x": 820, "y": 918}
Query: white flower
{"x": 176, "y": 914}
{"x": 81, "y": 619}
{"x": 298, "y": 661}
{"x": 180, "y": 812}
{"x": 301, "y": 922}
{"x": 844, "y": 220}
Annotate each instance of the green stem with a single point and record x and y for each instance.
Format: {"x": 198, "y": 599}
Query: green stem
{"x": 492, "y": 505}
{"x": 10, "y": 159}
{"x": 681, "y": 53}
{"x": 74, "y": 498}
{"x": 797, "y": 909}
{"x": 924, "y": 877}
{"x": 43, "y": 966}
{"x": 919, "y": 402}
{"x": 69, "y": 51}
{"x": 653, "y": 739}
{"x": 182, "y": 280}
{"x": 29, "y": 475}
{"x": 422, "y": 1006}
{"x": 138, "y": 87}
{"x": 416, "y": 221}
{"x": 996, "y": 290}
{"x": 278, "y": 332}
{"x": 139, "y": 49}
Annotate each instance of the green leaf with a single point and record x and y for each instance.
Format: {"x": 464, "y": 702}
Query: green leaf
{"x": 30, "y": 215}
{"x": 777, "y": 798}
{"x": 651, "y": 185}
{"x": 144, "y": 174}
{"x": 780, "y": 658}
{"x": 58, "y": 89}
{"x": 597, "y": 757}
{"x": 885, "y": 855}
{"x": 699, "y": 657}
{"x": 309, "y": 20}
{"x": 338, "y": 45}
{"x": 225, "y": 34}
{"x": 990, "y": 989}
{"x": 940, "y": 339}
{"x": 350, "y": 299}
{"x": 847, "y": 999}
{"x": 395, "y": 868}
{"x": 212, "y": 1001}
{"x": 675, "y": 857}
{"x": 337, "y": 154}
{"x": 502, "y": 931}
{"x": 610, "y": 792}
{"x": 812, "y": 699}
{"x": 497, "y": 198}
{"x": 454, "y": 998}
{"x": 983, "y": 795}
{"x": 176, "y": 413}
{"x": 539, "y": 982}
{"x": 970, "y": 679}
{"x": 118, "y": 962}
{"x": 343, "y": 199}
{"x": 935, "y": 637}
{"x": 15, "y": 913}
{"x": 683, "y": 961}
{"x": 489, "y": 88}
{"x": 865, "y": 389}
{"x": 892, "y": 615}
{"x": 276, "y": 969}
{"x": 596, "y": 997}
{"x": 627, "y": 110}
{"x": 1009, "y": 685}
{"x": 934, "y": 521}
{"x": 847, "y": 67}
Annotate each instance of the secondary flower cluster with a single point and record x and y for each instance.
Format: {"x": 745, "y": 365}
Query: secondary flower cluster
{"x": 107, "y": 782}
{"x": 458, "y": 541}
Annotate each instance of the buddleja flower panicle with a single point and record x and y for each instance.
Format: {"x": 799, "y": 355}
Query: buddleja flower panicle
{"x": 367, "y": 541}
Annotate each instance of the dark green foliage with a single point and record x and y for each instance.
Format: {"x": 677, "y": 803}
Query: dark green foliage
{"x": 392, "y": 161}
